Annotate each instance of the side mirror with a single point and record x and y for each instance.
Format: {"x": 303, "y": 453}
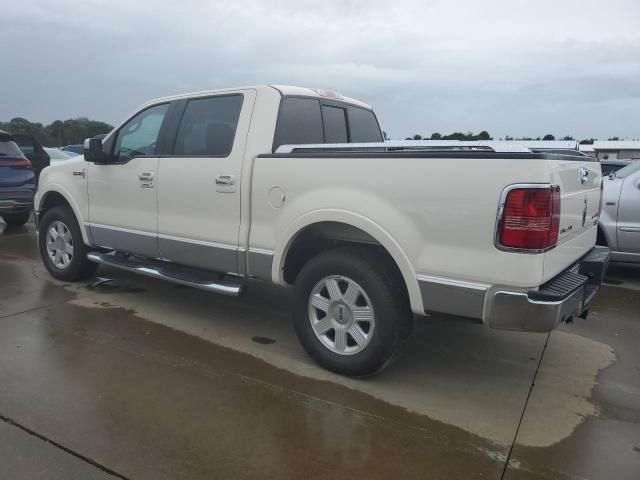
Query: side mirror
{"x": 93, "y": 150}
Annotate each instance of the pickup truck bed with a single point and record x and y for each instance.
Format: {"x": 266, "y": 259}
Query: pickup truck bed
{"x": 295, "y": 187}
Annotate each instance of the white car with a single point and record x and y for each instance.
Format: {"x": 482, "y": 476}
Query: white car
{"x": 56, "y": 155}
{"x": 296, "y": 187}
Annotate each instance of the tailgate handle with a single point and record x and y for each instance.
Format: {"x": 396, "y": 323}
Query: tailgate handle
{"x": 584, "y": 175}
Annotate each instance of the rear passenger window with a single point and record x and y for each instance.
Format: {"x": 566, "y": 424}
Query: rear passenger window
{"x": 299, "y": 122}
{"x": 363, "y": 126}
{"x": 208, "y": 126}
{"x": 335, "y": 124}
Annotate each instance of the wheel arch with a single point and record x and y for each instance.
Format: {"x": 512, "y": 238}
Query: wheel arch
{"x": 359, "y": 230}
{"x": 57, "y": 195}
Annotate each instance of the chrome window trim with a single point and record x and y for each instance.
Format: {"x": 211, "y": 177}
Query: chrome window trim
{"x": 500, "y": 213}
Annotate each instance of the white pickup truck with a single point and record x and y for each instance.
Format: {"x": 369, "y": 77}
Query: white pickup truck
{"x": 296, "y": 187}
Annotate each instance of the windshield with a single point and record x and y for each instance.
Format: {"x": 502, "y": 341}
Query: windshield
{"x": 628, "y": 170}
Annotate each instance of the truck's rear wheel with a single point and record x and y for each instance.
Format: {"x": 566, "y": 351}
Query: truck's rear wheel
{"x": 62, "y": 249}
{"x": 350, "y": 311}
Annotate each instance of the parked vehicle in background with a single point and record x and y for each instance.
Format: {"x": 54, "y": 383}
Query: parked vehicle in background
{"x": 619, "y": 227}
{"x": 33, "y": 151}
{"x": 56, "y": 155}
{"x": 76, "y": 149}
{"x": 295, "y": 186}
{"x": 610, "y": 166}
{"x": 560, "y": 151}
{"x": 17, "y": 182}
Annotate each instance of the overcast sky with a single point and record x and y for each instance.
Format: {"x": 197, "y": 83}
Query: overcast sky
{"x": 511, "y": 67}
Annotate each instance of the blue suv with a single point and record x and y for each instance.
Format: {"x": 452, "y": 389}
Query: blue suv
{"x": 17, "y": 182}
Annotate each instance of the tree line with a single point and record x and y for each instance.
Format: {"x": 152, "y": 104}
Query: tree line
{"x": 74, "y": 130}
{"x": 484, "y": 135}
{"x": 58, "y": 133}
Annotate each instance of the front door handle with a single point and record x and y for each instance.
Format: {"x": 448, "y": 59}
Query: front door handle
{"x": 146, "y": 179}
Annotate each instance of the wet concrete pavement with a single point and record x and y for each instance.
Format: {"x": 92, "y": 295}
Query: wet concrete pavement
{"x": 141, "y": 379}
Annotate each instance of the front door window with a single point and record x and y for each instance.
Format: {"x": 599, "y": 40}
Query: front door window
{"x": 139, "y": 136}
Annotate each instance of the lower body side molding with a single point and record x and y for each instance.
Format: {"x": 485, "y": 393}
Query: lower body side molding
{"x": 172, "y": 273}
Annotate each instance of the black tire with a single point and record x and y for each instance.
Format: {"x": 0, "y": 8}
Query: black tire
{"x": 17, "y": 219}
{"x": 79, "y": 267}
{"x": 380, "y": 280}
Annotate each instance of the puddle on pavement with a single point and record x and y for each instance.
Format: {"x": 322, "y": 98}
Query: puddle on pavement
{"x": 310, "y": 410}
{"x": 187, "y": 313}
{"x": 560, "y": 400}
{"x": 563, "y": 404}
{"x": 109, "y": 285}
{"x": 263, "y": 340}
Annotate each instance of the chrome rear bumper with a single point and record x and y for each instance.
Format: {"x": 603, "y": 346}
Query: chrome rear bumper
{"x": 564, "y": 297}
{"x": 539, "y": 309}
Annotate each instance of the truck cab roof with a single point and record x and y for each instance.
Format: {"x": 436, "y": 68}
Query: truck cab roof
{"x": 284, "y": 90}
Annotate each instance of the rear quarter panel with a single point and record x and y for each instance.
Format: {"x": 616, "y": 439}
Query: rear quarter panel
{"x": 441, "y": 213}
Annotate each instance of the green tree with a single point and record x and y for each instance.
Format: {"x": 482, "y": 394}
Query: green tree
{"x": 484, "y": 135}
{"x": 587, "y": 141}
{"x": 568, "y": 137}
{"x": 548, "y": 136}
{"x": 58, "y": 133}
{"x": 417, "y": 136}
{"x": 436, "y": 136}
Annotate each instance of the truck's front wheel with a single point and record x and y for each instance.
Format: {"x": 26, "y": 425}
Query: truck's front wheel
{"x": 351, "y": 311}
{"x": 62, "y": 249}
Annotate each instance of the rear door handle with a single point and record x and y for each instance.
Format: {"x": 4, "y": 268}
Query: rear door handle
{"x": 225, "y": 183}
{"x": 225, "y": 179}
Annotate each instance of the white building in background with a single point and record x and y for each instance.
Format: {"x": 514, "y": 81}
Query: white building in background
{"x": 550, "y": 144}
{"x": 587, "y": 149}
{"x": 617, "y": 150}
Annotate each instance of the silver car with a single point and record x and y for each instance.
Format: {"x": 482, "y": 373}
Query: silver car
{"x": 620, "y": 219}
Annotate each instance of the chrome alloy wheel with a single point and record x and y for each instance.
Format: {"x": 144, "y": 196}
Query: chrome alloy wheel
{"x": 59, "y": 244}
{"x": 341, "y": 315}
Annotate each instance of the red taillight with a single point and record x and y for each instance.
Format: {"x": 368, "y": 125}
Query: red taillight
{"x": 530, "y": 218}
{"x": 20, "y": 163}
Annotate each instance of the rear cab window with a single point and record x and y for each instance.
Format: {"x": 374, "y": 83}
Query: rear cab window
{"x": 307, "y": 120}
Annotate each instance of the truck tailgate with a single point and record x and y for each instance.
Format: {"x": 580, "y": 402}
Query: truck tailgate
{"x": 580, "y": 188}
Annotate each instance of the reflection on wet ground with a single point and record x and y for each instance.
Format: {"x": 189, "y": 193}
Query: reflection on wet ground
{"x": 139, "y": 379}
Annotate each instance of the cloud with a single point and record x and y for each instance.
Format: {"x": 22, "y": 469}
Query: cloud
{"x": 425, "y": 66}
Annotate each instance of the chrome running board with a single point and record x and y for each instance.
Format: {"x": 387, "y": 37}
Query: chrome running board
{"x": 172, "y": 273}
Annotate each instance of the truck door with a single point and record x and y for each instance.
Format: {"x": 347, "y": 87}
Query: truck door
{"x": 199, "y": 182}
{"x": 629, "y": 214}
{"x": 122, "y": 193}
